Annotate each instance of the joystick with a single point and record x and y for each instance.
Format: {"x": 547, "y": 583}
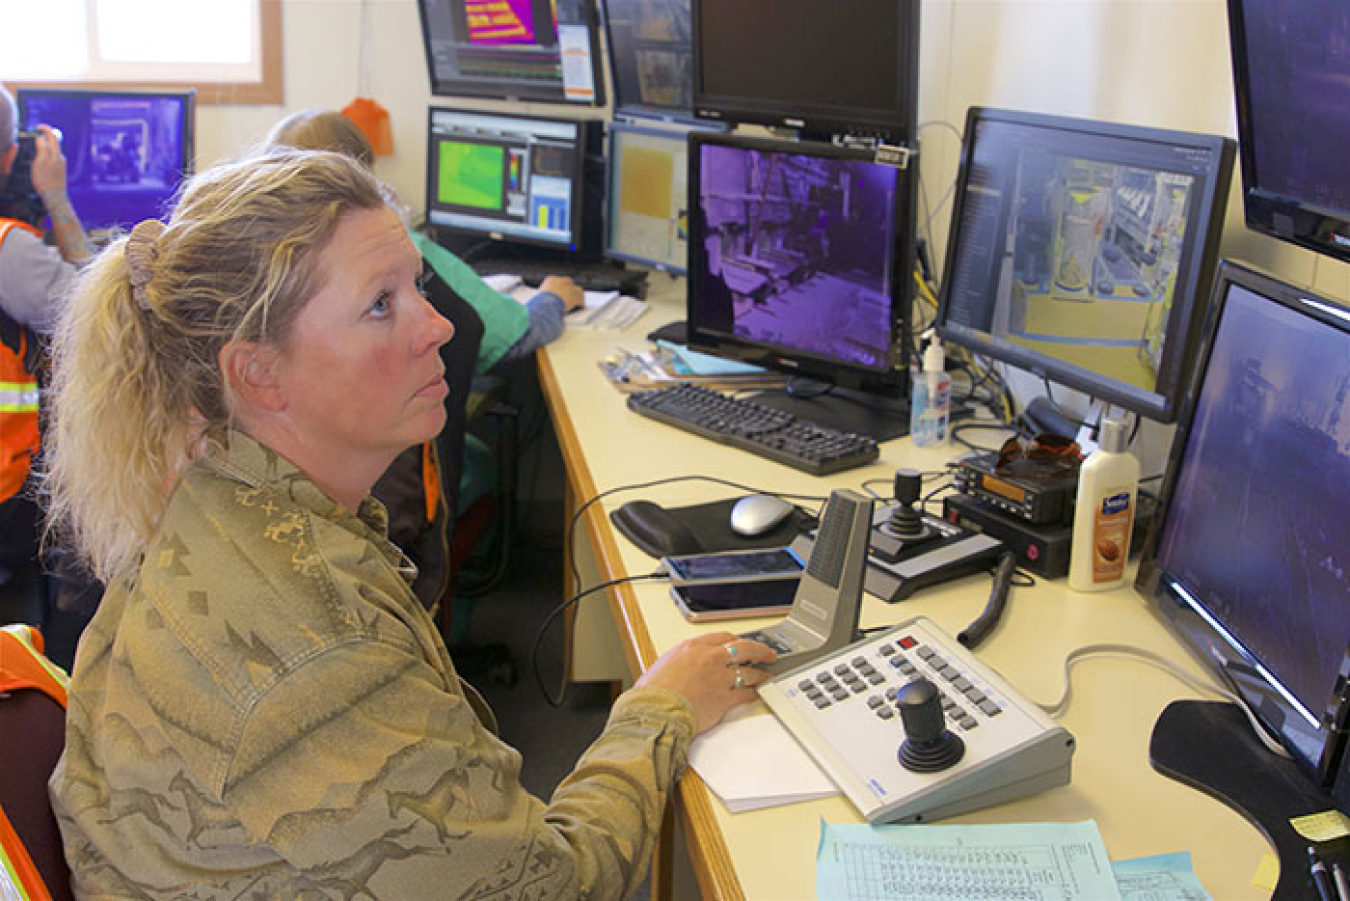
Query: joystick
{"x": 906, "y": 523}
{"x": 929, "y": 746}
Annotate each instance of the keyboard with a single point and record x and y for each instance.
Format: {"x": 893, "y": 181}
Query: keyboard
{"x": 755, "y": 427}
{"x": 842, "y": 708}
{"x": 590, "y": 276}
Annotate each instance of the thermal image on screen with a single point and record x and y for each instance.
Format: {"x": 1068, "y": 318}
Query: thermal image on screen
{"x": 494, "y": 22}
{"x": 645, "y": 183}
{"x": 1095, "y": 248}
{"x": 470, "y": 175}
{"x": 801, "y": 247}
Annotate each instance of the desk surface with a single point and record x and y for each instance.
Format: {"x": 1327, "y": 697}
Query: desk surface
{"x": 770, "y": 853}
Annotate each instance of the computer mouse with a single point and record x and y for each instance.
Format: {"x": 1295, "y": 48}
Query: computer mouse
{"x": 755, "y": 514}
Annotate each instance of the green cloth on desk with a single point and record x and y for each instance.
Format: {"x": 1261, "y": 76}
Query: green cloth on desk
{"x": 504, "y": 320}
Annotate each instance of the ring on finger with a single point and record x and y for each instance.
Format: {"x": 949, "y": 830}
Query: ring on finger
{"x": 740, "y": 679}
{"x": 732, "y": 652}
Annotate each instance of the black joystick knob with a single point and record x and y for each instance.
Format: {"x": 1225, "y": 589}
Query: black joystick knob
{"x": 928, "y": 746}
{"x": 905, "y": 522}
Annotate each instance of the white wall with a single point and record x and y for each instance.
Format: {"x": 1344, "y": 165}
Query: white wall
{"x": 1161, "y": 63}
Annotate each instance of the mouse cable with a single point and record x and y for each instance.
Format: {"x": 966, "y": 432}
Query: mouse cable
{"x": 1158, "y": 661}
{"x": 556, "y": 700}
{"x": 576, "y": 515}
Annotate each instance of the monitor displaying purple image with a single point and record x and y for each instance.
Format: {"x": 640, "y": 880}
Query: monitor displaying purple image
{"x": 126, "y": 152}
{"x": 796, "y": 250}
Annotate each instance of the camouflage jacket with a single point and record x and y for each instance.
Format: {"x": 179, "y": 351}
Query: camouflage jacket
{"x": 263, "y": 709}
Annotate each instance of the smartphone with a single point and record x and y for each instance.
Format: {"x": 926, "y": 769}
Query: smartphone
{"x": 710, "y": 602}
{"x": 733, "y": 566}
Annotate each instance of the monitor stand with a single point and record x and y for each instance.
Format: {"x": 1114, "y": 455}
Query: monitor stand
{"x": 1209, "y": 745}
{"x": 844, "y": 409}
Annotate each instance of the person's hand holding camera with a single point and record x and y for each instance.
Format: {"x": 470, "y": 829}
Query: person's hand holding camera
{"x": 49, "y": 167}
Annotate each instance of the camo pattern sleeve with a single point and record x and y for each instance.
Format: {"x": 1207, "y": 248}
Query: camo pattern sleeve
{"x": 264, "y": 710}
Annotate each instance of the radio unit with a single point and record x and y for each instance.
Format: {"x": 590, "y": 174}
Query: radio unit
{"x": 1045, "y": 499}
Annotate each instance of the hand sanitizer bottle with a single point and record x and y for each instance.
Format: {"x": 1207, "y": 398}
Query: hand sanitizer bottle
{"x": 1103, "y": 516}
{"x": 930, "y": 397}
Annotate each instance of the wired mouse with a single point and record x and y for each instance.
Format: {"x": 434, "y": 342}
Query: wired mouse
{"x": 755, "y": 514}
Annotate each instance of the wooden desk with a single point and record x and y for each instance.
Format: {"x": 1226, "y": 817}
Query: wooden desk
{"x": 770, "y": 854}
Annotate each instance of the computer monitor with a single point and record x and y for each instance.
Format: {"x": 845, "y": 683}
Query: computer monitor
{"x": 1247, "y": 558}
{"x": 800, "y": 260}
{"x": 1082, "y": 251}
{"x": 648, "y": 199}
{"x": 1290, "y": 70}
{"x": 535, "y": 50}
{"x": 849, "y": 66}
{"x": 517, "y": 179}
{"x": 127, "y": 152}
{"x": 650, "y": 57}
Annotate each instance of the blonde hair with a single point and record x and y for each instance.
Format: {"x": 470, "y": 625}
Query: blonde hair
{"x": 136, "y": 383}
{"x": 320, "y": 129}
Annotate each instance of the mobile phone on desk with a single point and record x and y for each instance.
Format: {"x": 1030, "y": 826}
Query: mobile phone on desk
{"x": 763, "y": 565}
{"x": 716, "y": 601}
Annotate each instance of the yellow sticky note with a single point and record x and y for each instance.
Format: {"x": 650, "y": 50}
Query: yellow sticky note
{"x": 1267, "y": 873}
{"x": 1326, "y": 826}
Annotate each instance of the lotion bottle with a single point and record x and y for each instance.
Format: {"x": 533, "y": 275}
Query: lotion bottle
{"x": 1103, "y": 517}
{"x": 930, "y": 401}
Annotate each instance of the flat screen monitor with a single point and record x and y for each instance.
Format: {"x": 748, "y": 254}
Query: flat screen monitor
{"x": 126, "y": 152}
{"x": 648, "y": 198}
{"x": 518, "y": 179}
{"x": 650, "y": 57}
{"x": 1083, "y": 251}
{"x": 536, "y": 50}
{"x": 1291, "y": 73}
{"x": 1247, "y": 558}
{"x": 800, "y": 256}
{"x": 849, "y": 66}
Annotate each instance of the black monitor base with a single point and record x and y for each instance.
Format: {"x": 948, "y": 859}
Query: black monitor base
{"x": 843, "y": 409}
{"x": 1209, "y": 745}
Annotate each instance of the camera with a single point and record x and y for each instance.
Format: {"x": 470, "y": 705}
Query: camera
{"x": 18, "y": 200}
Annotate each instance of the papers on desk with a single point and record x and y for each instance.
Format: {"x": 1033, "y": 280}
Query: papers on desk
{"x": 630, "y": 370}
{"x": 1003, "y": 860}
{"x": 1028, "y": 860}
{"x": 752, "y": 762}
{"x": 503, "y": 284}
{"x": 607, "y": 310}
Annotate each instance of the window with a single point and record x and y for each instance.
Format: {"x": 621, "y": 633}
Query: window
{"x": 230, "y": 50}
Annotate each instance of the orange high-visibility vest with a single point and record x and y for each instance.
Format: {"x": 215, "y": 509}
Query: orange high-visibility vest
{"x": 19, "y": 440}
{"x": 23, "y": 665}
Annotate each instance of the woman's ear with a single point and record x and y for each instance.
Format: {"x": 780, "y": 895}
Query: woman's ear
{"x": 250, "y": 372}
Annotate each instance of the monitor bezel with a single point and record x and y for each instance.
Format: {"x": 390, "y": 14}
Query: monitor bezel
{"x": 1153, "y": 581}
{"x": 1190, "y": 293}
{"x": 895, "y": 126}
{"x": 890, "y": 381}
{"x": 187, "y": 128}
{"x": 1296, "y": 220}
{"x": 581, "y": 235}
{"x": 452, "y": 87}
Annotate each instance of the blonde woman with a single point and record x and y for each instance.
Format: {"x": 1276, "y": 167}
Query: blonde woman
{"x": 261, "y": 707}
